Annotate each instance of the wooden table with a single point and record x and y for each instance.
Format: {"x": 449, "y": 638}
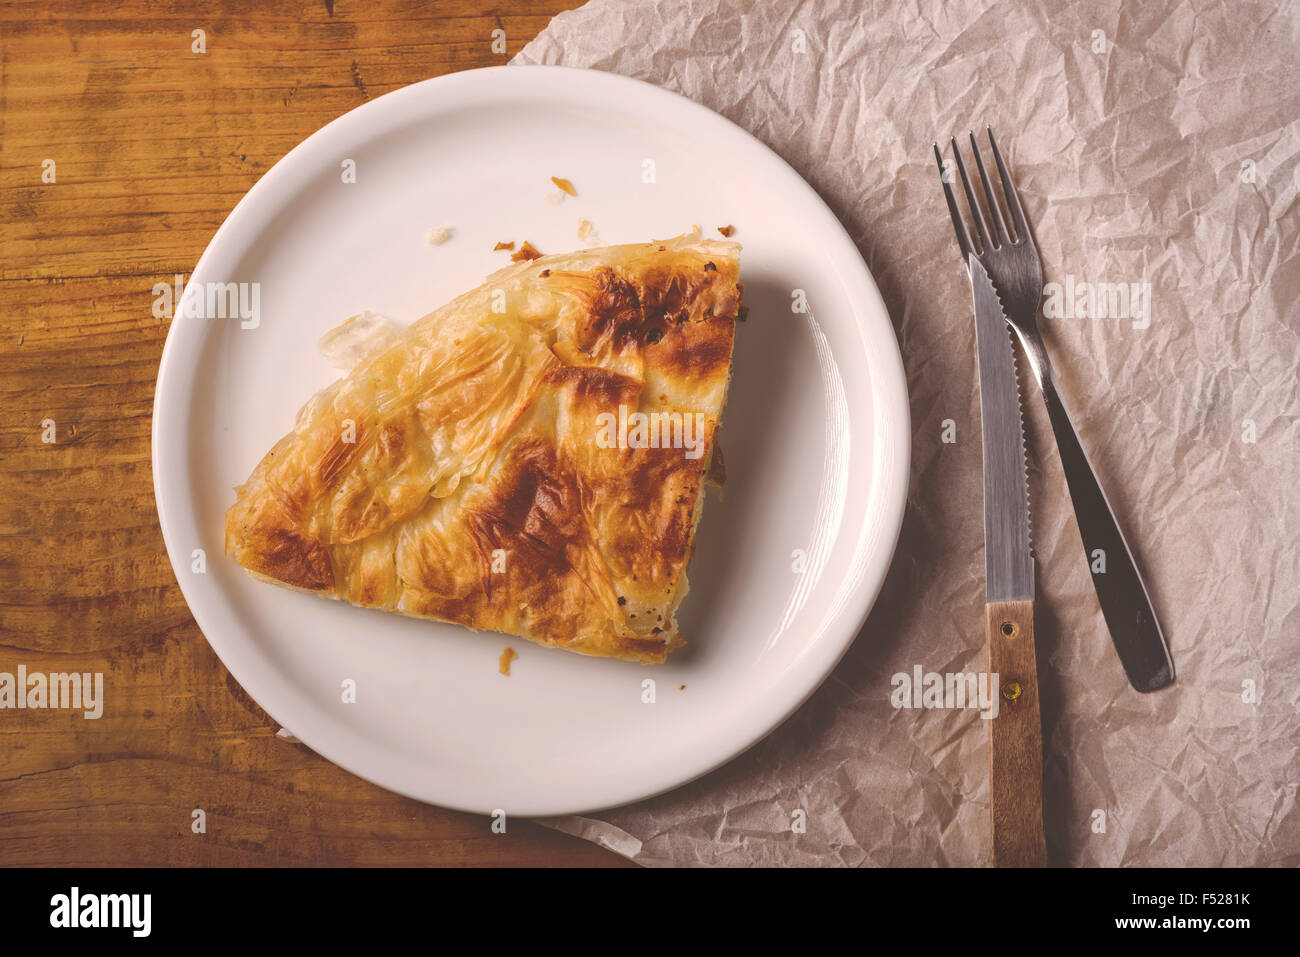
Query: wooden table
{"x": 151, "y": 145}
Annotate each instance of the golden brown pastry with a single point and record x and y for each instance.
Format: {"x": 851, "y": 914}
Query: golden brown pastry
{"x": 529, "y": 459}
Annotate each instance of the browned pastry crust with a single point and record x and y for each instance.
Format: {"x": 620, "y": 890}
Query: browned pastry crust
{"x": 471, "y": 443}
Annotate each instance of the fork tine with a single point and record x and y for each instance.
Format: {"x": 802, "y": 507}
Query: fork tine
{"x": 958, "y": 224}
{"x": 995, "y": 211}
{"x": 985, "y": 242}
{"x": 1009, "y": 191}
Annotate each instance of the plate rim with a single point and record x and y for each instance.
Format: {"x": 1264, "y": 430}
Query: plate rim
{"x": 891, "y": 434}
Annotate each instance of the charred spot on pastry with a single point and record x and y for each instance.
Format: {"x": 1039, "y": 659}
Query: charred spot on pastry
{"x": 288, "y": 556}
{"x": 372, "y": 591}
{"x": 710, "y": 267}
{"x": 333, "y": 464}
{"x": 592, "y": 384}
{"x": 653, "y": 335}
{"x": 537, "y": 498}
{"x": 544, "y": 273}
{"x": 392, "y": 440}
{"x": 698, "y": 349}
{"x": 616, "y": 310}
{"x": 622, "y": 600}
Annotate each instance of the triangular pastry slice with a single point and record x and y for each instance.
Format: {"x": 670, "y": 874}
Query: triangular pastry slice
{"x": 529, "y": 459}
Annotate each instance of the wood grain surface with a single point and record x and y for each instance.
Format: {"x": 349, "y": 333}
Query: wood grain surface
{"x": 1015, "y": 738}
{"x": 152, "y": 145}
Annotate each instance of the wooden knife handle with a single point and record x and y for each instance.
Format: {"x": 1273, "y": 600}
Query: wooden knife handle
{"x": 1015, "y": 738}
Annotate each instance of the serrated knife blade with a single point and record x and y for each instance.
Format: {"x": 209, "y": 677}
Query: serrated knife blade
{"x": 1015, "y": 732}
{"x": 1009, "y": 563}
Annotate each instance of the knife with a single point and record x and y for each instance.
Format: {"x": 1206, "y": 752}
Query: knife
{"x": 1015, "y": 733}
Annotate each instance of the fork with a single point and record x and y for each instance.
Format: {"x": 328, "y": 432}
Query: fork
{"x": 1017, "y": 273}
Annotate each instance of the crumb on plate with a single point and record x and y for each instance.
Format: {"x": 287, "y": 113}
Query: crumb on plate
{"x": 509, "y": 245}
{"x": 507, "y": 656}
{"x": 525, "y": 253}
{"x": 438, "y": 236}
{"x": 565, "y": 185}
{"x": 587, "y": 233}
{"x": 727, "y": 231}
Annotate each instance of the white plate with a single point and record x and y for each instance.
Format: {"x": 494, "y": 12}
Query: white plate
{"x": 816, "y": 437}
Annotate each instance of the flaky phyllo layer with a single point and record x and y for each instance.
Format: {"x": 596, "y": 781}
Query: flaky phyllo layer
{"x": 529, "y": 459}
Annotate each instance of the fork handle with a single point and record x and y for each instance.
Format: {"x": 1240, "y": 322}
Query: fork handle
{"x": 1015, "y": 738}
{"x": 1123, "y": 598}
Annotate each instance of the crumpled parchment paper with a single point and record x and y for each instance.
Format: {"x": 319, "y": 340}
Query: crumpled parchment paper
{"x": 1153, "y": 143}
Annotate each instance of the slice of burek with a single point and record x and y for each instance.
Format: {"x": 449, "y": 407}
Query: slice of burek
{"x": 528, "y": 459}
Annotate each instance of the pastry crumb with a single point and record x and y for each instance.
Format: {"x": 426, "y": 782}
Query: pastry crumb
{"x": 587, "y": 233}
{"x": 499, "y": 246}
{"x": 507, "y": 656}
{"x": 681, "y": 687}
{"x": 525, "y": 253}
{"x": 727, "y": 231}
{"x": 438, "y": 236}
{"x": 555, "y": 197}
{"x": 565, "y": 185}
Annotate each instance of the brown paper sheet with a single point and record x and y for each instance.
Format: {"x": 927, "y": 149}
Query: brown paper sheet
{"x": 1153, "y": 143}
